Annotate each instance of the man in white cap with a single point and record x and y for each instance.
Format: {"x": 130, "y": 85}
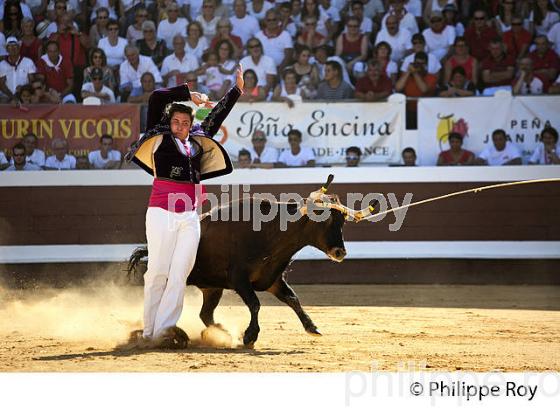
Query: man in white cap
{"x": 15, "y": 71}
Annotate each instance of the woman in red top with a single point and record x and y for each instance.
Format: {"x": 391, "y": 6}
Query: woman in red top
{"x": 462, "y": 58}
{"x": 455, "y": 155}
{"x": 352, "y": 46}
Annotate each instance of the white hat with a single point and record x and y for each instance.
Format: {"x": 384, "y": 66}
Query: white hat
{"x": 41, "y": 28}
{"x": 12, "y": 40}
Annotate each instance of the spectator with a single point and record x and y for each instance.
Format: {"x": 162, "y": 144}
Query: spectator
{"x": 226, "y": 60}
{"x": 408, "y": 157}
{"x": 244, "y": 159}
{"x": 309, "y": 35}
{"x": 352, "y": 46}
{"x": 58, "y": 72}
{"x": 3, "y": 161}
{"x": 366, "y": 25}
{"x": 42, "y": 95}
{"x": 212, "y": 77}
{"x": 416, "y": 82}
{"x": 455, "y": 155}
{"x": 501, "y": 152}
{"x": 134, "y": 32}
{"x": 25, "y": 94}
{"x": 497, "y": 69}
{"x": 333, "y": 13}
{"x": 375, "y": 86}
{"x": 208, "y": 19}
{"x": 105, "y": 157}
{"x": 517, "y": 40}
{"x": 33, "y": 154}
{"x": 288, "y": 90}
{"x": 297, "y": 155}
{"x": 435, "y": 6}
{"x": 98, "y": 59}
{"x": 19, "y": 162}
{"x": 113, "y": 45}
{"x": 419, "y": 44}
{"x": 30, "y": 44}
{"x": 311, "y": 9}
{"x": 286, "y": 20}
{"x": 438, "y": 36}
{"x": 542, "y": 17}
{"x": 451, "y": 17}
{"x": 196, "y": 42}
{"x": 60, "y": 8}
{"x": 397, "y": 38}
{"x": 194, "y": 85}
{"x": 261, "y": 64}
{"x": 307, "y": 74}
{"x": 13, "y": 17}
{"x": 171, "y": 26}
{"x": 506, "y": 12}
{"x": 334, "y": 87}
{"x": 61, "y": 159}
{"x": 258, "y": 8}
{"x": 99, "y": 29}
{"x": 72, "y": 44}
{"x": 244, "y": 25}
{"x": 382, "y": 54}
{"x": 479, "y": 34}
{"x": 545, "y": 61}
{"x": 260, "y": 152}
{"x": 127, "y": 10}
{"x": 554, "y": 37}
{"x": 406, "y": 19}
{"x": 547, "y": 151}
{"x": 460, "y": 57}
{"x": 131, "y": 71}
{"x": 277, "y": 43}
{"x": 224, "y": 34}
{"x": 15, "y": 71}
{"x": 458, "y": 85}
{"x": 150, "y": 46}
{"x": 296, "y": 10}
{"x": 252, "y": 91}
{"x": 82, "y": 162}
{"x": 95, "y": 88}
{"x": 353, "y": 156}
{"x": 527, "y": 82}
{"x": 176, "y": 65}
{"x": 148, "y": 84}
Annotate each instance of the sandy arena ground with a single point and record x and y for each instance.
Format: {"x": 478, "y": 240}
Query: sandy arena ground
{"x": 472, "y": 328}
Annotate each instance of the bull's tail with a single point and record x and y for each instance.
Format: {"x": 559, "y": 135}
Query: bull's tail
{"x": 138, "y": 254}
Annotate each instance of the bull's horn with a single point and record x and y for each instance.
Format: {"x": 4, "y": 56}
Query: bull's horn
{"x": 326, "y": 186}
{"x": 364, "y": 213}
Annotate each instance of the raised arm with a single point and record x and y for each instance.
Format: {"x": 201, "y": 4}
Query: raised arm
{"x": 160, "y": 98}
{"x": 214, "y": 120}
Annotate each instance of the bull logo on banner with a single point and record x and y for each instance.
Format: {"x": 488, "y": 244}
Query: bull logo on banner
{"x": 447, "y": 125}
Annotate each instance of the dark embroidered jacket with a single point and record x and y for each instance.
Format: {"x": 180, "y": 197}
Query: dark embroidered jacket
{"x": 157, "y": 151}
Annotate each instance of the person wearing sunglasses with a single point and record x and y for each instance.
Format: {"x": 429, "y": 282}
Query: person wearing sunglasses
{"x": 95, "y": 88}
{"x": 19, "y": 160}
{"x": 353, "y": 156}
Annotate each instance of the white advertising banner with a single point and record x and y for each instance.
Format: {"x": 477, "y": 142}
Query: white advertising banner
{"x": 475, "y": 118}
{"x": 328, "y": 128}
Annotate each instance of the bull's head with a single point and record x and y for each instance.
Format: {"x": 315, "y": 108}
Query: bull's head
{"x": 330, "y": 239}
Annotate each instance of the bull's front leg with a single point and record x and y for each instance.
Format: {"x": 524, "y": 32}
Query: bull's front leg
{"x": 249, "y": 297}
{"x": 286, "y": 294}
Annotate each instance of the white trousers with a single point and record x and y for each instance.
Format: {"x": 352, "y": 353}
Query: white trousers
{"x": 172, "y": 245}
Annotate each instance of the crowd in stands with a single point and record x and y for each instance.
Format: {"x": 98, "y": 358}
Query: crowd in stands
{"x": 25, "y": 156}
{"x": 117, "y": 50}
{"x": 65, "y": 51}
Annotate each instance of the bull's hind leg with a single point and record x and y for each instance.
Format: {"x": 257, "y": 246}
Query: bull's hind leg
{"x": 286, "y": 294}
{"x": 211, "y": 297}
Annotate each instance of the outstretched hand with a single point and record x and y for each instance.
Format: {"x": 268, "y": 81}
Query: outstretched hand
{"x": 239, "y": 78}
{"x": 199, "y": 98}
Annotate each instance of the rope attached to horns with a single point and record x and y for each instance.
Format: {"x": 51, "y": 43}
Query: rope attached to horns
{"x": 367, "y": 213}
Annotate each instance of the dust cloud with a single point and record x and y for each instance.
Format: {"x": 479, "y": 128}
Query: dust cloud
{"x": 100, "y": 313}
